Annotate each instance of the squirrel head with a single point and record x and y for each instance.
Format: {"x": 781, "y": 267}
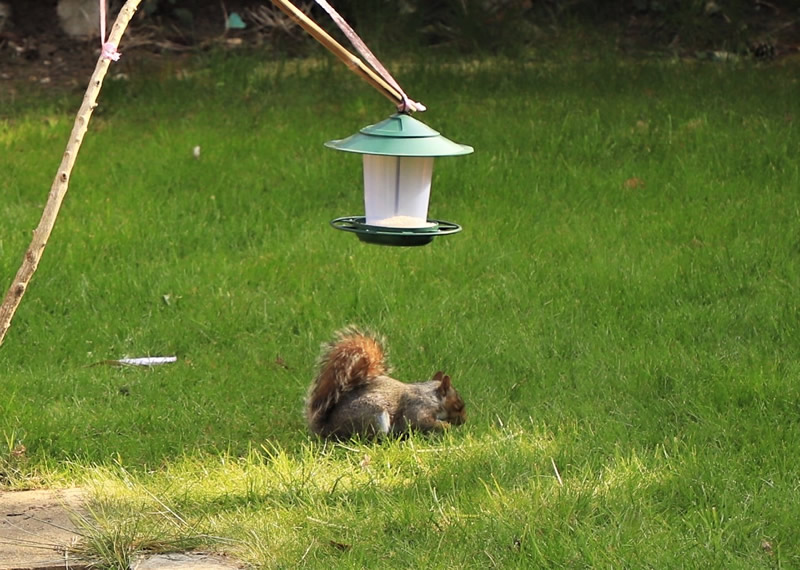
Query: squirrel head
{"x": 453, "y": 408}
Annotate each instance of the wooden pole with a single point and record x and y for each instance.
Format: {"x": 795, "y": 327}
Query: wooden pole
{"x": 350, "y": 60}
{"x": 61, "y": 183}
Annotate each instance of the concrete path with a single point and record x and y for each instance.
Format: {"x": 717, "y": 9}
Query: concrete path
{"x": 190, "y": 561}
{"x": 37, "y": 529}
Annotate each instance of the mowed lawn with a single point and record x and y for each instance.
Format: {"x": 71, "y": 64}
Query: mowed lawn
{"x": 620, "y": 314}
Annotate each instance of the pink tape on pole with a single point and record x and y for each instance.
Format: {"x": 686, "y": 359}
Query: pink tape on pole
{"x": 109, "y": 50}
{"x": 366, "y": 53}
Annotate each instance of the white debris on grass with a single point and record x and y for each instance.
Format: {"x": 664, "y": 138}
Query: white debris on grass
{"x": 146, "y": 361}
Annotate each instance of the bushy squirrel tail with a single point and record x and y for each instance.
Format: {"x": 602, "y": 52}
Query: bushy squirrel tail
{"x": 353, "y": 358}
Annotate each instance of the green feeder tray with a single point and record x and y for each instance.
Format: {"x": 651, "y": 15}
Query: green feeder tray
{"x": 394, "y": 236}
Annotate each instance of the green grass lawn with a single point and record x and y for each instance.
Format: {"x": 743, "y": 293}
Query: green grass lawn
{"x": 621, "y": 315}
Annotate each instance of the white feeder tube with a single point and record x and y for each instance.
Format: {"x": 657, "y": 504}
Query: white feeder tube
{"x": 397, "y": 190}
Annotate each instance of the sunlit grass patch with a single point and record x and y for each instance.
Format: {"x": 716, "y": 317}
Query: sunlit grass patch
{"x": 274, "y": 507}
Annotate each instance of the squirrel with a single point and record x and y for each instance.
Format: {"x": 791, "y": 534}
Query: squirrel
{"x": 353, "y": 394}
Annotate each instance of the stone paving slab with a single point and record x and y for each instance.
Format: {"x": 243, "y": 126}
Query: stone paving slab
{"x": 36, "y": 527}
{"x": 189, "y": 561}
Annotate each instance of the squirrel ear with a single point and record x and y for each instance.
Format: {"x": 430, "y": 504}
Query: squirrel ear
{"x": 444, "y": 385}
{"x": 438, "y": 376}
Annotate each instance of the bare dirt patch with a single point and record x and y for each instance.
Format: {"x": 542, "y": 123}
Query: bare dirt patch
{"x": 35, "y": 55}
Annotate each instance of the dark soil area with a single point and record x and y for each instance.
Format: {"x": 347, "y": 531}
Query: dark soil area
{"x": 35, "y": 54}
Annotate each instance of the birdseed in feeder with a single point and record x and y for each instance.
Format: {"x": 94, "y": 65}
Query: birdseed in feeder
{"x": 404, "y": 222}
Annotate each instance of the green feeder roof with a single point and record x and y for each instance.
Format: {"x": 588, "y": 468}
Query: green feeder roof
{"x": 400, "y": 135}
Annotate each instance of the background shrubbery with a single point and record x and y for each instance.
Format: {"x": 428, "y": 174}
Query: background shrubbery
{"x": 505, "y": 26}
{"x": 508, "y": 25}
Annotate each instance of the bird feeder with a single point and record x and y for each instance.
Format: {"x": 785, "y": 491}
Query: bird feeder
{"x": 398, "y": 158}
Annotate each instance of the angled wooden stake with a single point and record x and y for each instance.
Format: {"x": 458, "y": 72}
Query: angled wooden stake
{"x": 61, "y": 183}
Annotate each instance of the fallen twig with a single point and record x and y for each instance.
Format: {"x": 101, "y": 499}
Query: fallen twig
{"x": 558, "y": 475}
